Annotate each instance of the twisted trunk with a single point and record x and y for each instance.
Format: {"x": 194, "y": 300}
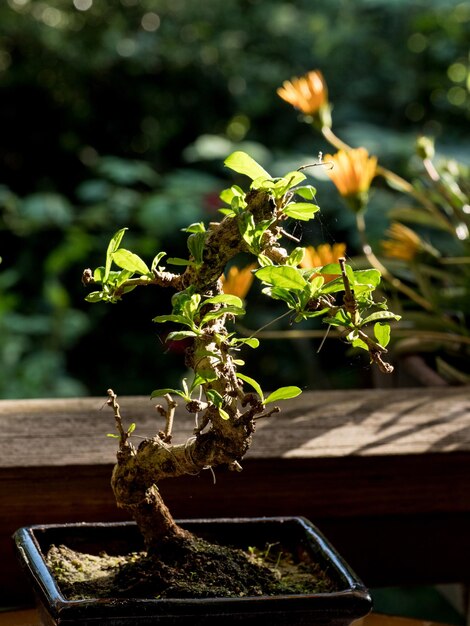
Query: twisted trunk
{"x": 217, "y": 441}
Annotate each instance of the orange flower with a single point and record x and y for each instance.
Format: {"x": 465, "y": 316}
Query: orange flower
{"x": 352, "y": 171}
{"x": 404, "y": 243}
{"x": 308, "y": 93}
{"x": 323, "y": 255}
{"x": 238, "y": 281}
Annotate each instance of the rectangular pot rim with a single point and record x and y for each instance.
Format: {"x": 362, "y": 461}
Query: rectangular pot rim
{"x": 354, "y": 596}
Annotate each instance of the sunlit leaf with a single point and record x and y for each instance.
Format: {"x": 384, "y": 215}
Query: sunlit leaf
{"x": 367, "y": 277}
{"x": 203, "y": 376}
{"x": 95, "y": 296}
{"x": 284, "y": 277}
{"x": 382, "y": 333}
{"x": 130, "y": 261}
{"x": 283, "y": 393}
{"x": 99, "y": 275}
{"x": 225, "y": 299}
{"x": 196, "y": 243}
{"x": 244, "y": 164}
{"x": 296, "y": 256}
{"x": 223, "y": 414}
{"x": 380, "y": 315}
{"x": 306, "y": 191}
{"x": 253, "y": 383}
{"x": 158, "y": 257}
{"x": 253, "y": 342}
{"x": 213, "y": 315}
{"x": 196, "y": 227}
{"x": 112, "y": 247}
{"x": 301, "y": 210}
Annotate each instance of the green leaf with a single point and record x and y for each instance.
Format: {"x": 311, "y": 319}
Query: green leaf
{"x": 179, "y": 319}
{"x": 293, "y": 178}
{"x": 180, "y": 334}
{"x": 380, "y": 315}
{"x": 131, "y": 428}
{"x": 158, "y": 257}
{"x": 277, "y": 293}
{"x": 253, "y": 342}
{"x": 159, "y": 393}
{"x": 215, "y": 397}
{"x": 382, "y": 334}
{"x": 99, "y": 275}
{"x": 95, "y": 296}
{"x": 227, "y": 195}
{"x": 196, "y": 227}
{"x": 333, "y": 286}
{"x": 225, "y": 299}
{"x": 285, "y": 183}
{"x": 112, "y": 435}
{"x": 335, "y": 268}
{"x": 306, "y": 191}
{"x": 283, "y": 393}
{"x": 295, "y": 257}
{"x": 228, "y": 212}
{"x": 112, "y": 247}
{"x": 196, "y": 243}
{"x": 341, "y": 318}
{"x": 301, "y": 210}
{"x": 213, "y": 315}
{"x": 253, "y": 383}
{"x": 284, "y": 277}
{"x": 243, "y": 164}
{"x": 203, "y": 376}
{"x": 223, "y": 414}
{"x": 367, "y": 277}
{"x": 178, "y": 261}
{"x": 130, "y": 261}
{"x": 188, "y": 306}
{"x": 358, "y": 343}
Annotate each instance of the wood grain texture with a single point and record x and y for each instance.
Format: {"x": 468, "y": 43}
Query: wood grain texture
{"x": 385, "y": 474}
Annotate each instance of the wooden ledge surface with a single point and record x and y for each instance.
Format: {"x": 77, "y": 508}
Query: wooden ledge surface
{"x": 320, "y": 424}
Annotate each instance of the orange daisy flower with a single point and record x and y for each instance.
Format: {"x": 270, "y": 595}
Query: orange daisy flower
{"x": 238, "y": 281}
{"x": 404, "y": 243}
{"x": 352, "y": 171}
{"x": 308, "y": 93}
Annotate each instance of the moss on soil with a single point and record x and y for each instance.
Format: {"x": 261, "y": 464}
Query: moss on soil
{"x": 191, "y": 568}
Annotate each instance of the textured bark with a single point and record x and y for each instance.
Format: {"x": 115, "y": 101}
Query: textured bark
{"x": 216, "y": 441}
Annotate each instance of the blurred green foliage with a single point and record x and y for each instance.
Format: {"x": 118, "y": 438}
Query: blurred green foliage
{"x": 118, "y": 113}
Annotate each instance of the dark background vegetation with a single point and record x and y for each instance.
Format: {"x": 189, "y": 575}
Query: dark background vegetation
{"x": 120, "y": 113}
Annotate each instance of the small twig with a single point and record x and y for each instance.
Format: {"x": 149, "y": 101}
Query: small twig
{"x": 289, "y": 236}
{"x": 168, "y": 414}
{"x": 113, "y": 403}
{"x": 274, "y": 410}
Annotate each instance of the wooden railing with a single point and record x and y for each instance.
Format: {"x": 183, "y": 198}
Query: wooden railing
{"x": 385, "y": 474}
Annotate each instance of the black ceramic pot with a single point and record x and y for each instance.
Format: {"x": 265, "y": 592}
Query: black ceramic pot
{"x": 341, "y": 607}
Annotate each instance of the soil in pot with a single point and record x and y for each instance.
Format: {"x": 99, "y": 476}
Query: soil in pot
{"x": 189, "y": 568}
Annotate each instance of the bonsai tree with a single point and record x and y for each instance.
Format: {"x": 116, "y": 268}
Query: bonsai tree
{"x": 225, "y": 402}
